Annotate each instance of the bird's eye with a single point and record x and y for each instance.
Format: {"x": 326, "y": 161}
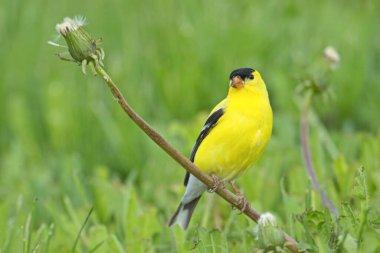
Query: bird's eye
{"x": 251, "y": 77}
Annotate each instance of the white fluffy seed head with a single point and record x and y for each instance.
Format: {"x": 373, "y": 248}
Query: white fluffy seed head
{"x": 267, "y": 219}
{"x": 69, "y": 25}
{"x": 268, "y": 232}
{"x": 332, "y": 56}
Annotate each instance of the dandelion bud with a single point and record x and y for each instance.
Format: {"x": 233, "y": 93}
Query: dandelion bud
{"x": 82, "y": 47}
{"x": 331, "y": 56}
{"x": 269, "y": 234}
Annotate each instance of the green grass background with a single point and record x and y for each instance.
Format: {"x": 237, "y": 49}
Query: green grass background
{"x": 66, "y": 146}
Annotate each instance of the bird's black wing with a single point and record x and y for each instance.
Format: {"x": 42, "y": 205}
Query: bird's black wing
{"x": 210, "y": 123}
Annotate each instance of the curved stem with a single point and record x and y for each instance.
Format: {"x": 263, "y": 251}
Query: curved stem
{"x": 290, "y": 243}
{"x": 309, "y": 166}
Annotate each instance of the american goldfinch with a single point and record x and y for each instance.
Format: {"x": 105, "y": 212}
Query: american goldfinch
{"x": 232, "y": 139}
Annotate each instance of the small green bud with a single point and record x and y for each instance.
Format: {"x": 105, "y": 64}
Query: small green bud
{"x": 82, "y": 47}
{"x": 269, "y": 234}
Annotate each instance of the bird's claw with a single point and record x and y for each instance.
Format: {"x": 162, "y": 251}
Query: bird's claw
{"x": 216, "y": 184}
{"x": 242, "y": 201}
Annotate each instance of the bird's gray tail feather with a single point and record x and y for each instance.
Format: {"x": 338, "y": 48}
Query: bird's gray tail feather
{"x": 183, "y": 214}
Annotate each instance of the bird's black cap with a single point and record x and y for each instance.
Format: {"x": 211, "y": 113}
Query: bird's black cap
{"x": 243, "y": 73}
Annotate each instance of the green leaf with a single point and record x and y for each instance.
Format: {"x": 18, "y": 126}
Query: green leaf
{"x": 360, "y": 185}
{"x": 374, "y": 220}
{"x": 219, "y": 242}
{"x": 304, "y": 246}
{"x": 115, "y": 246}
{"x": 97, "y": 235}
{"x": 350, "y": 244}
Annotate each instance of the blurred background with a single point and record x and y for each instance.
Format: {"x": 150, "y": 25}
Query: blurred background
{"x": 66, "y": 146}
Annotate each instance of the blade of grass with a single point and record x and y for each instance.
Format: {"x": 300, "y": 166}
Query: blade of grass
{"x": 81, "y": 229}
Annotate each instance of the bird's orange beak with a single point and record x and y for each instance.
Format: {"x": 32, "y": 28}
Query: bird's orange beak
{"x": 237, "y": 82}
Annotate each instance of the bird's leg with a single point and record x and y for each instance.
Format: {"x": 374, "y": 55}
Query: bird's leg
{"x": 217, "y": 183}
{"x": 241, "y": 199}
{"x": 234, "y": 187}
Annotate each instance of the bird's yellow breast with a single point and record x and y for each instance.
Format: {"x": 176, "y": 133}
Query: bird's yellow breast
{"x": 240, "y": 135}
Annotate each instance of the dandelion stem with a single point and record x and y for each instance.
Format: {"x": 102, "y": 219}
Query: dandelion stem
{"x": 309, "y": 166}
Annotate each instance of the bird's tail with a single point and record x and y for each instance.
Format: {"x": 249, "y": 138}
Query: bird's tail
{"x": 183, "y": 214}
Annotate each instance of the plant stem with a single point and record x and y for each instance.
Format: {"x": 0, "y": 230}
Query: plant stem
{"x": 291, "y": 244}
{"x": 309, "y": 166}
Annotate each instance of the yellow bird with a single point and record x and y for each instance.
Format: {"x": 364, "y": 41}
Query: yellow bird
{"x": 232, "y": 139}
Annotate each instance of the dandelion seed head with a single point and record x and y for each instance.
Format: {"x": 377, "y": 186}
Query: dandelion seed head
{"x": 81, "y": 20}
{"x": 332, "y": 56}
{"x": 267, "y": 219}
{"x": 69, "y": 25}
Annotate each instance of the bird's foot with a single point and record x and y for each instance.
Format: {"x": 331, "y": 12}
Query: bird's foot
{"x": 216, "y": 184}
{"x": 242, "y": 201}
{"x": 234, "y": 187}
